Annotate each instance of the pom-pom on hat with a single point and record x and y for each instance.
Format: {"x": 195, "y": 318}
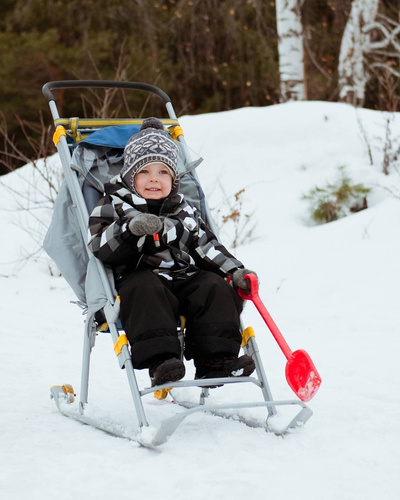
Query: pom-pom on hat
{"x": 152, "y": 144}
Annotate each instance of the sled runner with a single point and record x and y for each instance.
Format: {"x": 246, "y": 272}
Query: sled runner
{"x": 91, "y": 152}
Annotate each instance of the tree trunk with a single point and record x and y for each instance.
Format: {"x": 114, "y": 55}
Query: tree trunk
{"x": 353, "y": 73}
{"x": 290, "y": 48}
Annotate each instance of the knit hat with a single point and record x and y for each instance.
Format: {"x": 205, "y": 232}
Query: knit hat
{"x": 152, "y": 144}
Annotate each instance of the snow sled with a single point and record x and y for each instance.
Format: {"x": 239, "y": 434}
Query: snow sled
{"x": 91, "y": 153}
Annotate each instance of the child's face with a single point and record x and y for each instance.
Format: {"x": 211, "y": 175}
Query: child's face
{"x": 154, "y": 181}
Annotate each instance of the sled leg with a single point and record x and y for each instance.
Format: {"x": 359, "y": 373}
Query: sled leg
{"x": 250, "y": 347}
{"x": 137, "y": 400}
{"x": 125, "y": 361}
{"x": 88, "y": 344}
{"x": 205, "y": 392}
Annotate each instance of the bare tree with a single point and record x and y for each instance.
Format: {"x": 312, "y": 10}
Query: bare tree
{"x": 384, "y": 59}
{"x": 290, "y": 48}
{"x": 35, "y": 192}
{"x": 356, "y": 43}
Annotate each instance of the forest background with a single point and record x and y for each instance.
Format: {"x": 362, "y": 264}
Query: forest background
{"x": 208, "y": 55}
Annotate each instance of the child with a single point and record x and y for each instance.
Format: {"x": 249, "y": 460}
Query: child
{"x": 168, "y": 263}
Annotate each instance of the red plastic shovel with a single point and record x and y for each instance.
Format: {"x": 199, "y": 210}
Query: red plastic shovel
{"x": 301, "y": 374}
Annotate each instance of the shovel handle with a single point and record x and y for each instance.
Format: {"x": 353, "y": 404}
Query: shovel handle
{"x": 255, "y": 298}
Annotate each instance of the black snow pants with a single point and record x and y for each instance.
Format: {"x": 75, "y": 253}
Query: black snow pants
{"x": 151, "y": 306}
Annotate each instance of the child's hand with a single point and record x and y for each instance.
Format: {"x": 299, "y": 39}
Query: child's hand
{"x": 240, "y": 282}
{"x": 145, "y": 224}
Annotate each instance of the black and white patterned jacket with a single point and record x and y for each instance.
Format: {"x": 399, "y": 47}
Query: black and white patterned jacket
{"x": 185, "y": 243}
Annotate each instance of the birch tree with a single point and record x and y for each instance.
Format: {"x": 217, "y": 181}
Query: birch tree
{"x": 356, "y": 43}
{"x": 290, "y": 49}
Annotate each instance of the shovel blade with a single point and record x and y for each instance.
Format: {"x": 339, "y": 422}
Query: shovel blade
{"x": 302, "y": 376}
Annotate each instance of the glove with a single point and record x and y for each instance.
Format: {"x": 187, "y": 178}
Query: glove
{"x": 145, "y": 224}
{"x": 240, "y": 282}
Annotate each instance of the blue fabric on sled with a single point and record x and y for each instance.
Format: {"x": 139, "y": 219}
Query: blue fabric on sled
{"x": 114, "y": 136}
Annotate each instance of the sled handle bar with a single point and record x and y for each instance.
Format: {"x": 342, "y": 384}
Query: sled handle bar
{"x": 102, "y": 84}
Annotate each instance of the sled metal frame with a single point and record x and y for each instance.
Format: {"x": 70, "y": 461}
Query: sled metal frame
{"x": 111, "y": 309}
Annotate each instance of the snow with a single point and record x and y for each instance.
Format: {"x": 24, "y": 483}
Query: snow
{"x": 333, "y": 290}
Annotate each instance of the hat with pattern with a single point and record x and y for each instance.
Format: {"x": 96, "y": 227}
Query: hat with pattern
{"x": 152, "y": 144}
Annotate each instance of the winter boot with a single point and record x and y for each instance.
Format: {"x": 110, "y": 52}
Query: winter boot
{"x": 225, "y": 366}
{"x": 166, "y": 370}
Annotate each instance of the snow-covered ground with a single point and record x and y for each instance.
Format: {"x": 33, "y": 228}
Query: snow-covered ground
{"x": 333, "y": 290}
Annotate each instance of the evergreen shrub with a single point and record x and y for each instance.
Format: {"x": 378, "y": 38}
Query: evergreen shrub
{"x": 336, "y": 200}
